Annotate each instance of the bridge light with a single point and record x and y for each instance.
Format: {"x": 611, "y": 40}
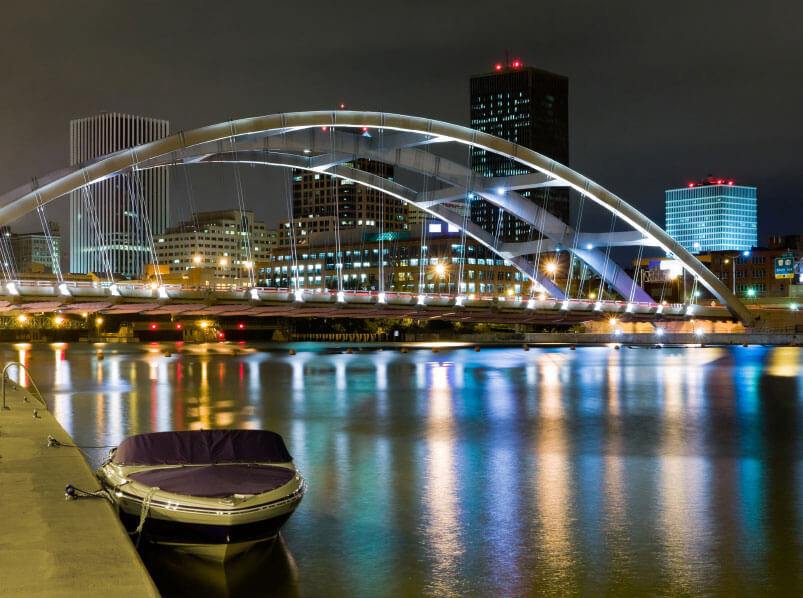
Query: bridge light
{"x": 498, "y": 67}
{"x": 58, "y": 320}
{"x": 659, "y": 331}
{"x": 421, "y": 299}
{"x": 551, "y": 267}
{"x": 542, "y": 296}
{"x": 589, "y": 247}
{"x": 154, "y": 326}
{"x": 612, "y": 321}
{"x": 254, "y": 295}
{"x": 154, "y": 286}
{"x": 114, "y": 290}
{"x": 241, "y": 326}
{"x": 163, "y": 293}
{"x": 299, "y": 295}
{"x": 793, "y": 306}
{"x": 178, "y": 326}
{"x": 629, "y": 308}
{"x": 565, "y": 306}
{"x": 380, "y": 298}
{"x": 592, "y": 295}
{"x": 248, "y": 265}
{"x": 699, "y": 332}
{"x": 690, "y": 310}
{"x": 458, "y": 302}
{"x": 598, "y": 306}
{"x": 440, "y": 270}
{"x": 204, "y": 324}
{"x": 98, "y": 321}
{"x": 63, "y": 290}
{"x": 12, "y": 289}
{"x": 500, "y": 190}
{"x": 84, "y": 315}
{"x": 531, "y": 304}
{"x": 22, "y": 318}
{"x": 341, "y": 297}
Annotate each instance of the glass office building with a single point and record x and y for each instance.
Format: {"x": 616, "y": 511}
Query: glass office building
{"x": 530, "y": 107}
{"x": 715, "y": 215}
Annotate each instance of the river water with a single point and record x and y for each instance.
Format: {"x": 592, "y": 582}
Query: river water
{"x": 506, "y": 472}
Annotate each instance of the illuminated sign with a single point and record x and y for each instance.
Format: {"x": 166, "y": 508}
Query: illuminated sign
{"x": 785, "y": 266}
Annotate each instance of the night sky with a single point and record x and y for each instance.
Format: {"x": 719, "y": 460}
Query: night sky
{"x": 660, "y": 93}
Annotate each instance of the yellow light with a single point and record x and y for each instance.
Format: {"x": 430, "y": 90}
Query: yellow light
{"x": 440, "y": 269}
{"x": 248, "y": 265}
{"x": 197, "y": 259}
{"x": 551, "y": 267}
{"x": 98, "y": 321}
{"x": 59, "y": 320}
{"x": 224, "y": 261}
{"x": 84, "y": 315}
{"x": 204, "y": 324}
{"x": 542, "y": 296}
{"x": 510, "y": 291}
{"x": 612, "y": 321}
{"x": 154, "y": 286}
{"x": 22, "y": 318}
{"x": 592, "y": 295}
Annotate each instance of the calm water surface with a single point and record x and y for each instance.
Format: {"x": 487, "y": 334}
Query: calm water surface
{"x": 502, "y": 473}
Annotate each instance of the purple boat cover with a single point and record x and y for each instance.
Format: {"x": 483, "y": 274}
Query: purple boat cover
{"x": 216, "y": 481}
{"x": 201, "y": 447}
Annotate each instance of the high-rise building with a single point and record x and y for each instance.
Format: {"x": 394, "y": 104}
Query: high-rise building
{"x": 112, "y": 221}
{"x": 322, "y": 201}
{"x": 530, "y": 107}
{"x": 712, "y": 215}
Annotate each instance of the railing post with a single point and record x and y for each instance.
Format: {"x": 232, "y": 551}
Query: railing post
{"x": 33, "y": 382}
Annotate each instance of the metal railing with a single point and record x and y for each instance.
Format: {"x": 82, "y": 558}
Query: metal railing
{"x": 28, "y": 373}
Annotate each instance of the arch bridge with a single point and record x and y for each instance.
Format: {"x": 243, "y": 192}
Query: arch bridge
{"x": 331, "y": 142}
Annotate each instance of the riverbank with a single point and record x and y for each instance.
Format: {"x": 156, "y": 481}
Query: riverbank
{"x": 51, "y": 546}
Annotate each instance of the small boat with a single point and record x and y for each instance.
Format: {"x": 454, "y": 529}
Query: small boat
{"x": 211, "y": 493}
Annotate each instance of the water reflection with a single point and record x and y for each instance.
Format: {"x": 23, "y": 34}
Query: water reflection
{"x": 548, "y": 472}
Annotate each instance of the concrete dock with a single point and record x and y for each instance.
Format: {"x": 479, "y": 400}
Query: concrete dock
{"x": 50, "y": 546}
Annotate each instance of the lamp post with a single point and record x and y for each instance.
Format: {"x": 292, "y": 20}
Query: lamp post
{"x": 732, "y": 259}
{"x": 440, "y": 270}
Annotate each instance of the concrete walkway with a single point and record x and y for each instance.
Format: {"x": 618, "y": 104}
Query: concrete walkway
{"x": 50, "y": 546}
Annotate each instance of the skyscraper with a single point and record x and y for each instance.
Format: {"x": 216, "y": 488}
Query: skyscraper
{"x": 528, "y": 106}
{"x": 713, "y": 215}
{"x": 112, "y": 222}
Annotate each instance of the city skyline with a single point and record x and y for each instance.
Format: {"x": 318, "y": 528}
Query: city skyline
{"x": 643, "y": 119}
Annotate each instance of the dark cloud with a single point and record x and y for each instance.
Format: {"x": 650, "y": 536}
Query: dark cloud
{"x": 660, "y": 92}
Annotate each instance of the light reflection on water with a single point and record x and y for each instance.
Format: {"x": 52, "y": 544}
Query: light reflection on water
{"x": 548, "y": 472}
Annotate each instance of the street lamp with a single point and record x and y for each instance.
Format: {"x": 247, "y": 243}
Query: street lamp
{"x": 552, "y": 268}
{"x": 440, "y": 270}
{"x": 732, "y": 259}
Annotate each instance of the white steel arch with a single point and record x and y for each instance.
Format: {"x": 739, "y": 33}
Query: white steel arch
{"x": 268, "y": 133}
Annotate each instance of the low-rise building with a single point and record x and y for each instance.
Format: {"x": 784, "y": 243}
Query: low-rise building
{"x": 227, "y": 242}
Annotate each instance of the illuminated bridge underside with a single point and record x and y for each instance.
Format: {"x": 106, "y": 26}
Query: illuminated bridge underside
{"x": 307, "y": 140}
{"x": 139, "y": 299}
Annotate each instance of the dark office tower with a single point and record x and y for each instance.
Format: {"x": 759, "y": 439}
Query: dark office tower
{"x": 528, "y": 106}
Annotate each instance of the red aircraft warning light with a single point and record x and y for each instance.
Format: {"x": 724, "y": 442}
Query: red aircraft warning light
{"x": 342, "y": 106}
{"x": 498, "y": 67}
{"x": 178, "y": 326}
{"x": 154, "y": 326}
{"x": 220, "y": 335}
{"x": 691, "y": 185}
{"x": 365, "y": 129}
{"x": 516, "y": 64}
{"x": 730, "y": 183}
{"x": 324, "y": 128}
{"x": 240, "y": 325}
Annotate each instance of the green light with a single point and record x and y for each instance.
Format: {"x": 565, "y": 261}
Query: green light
{"x": 793, "y": 306}
{"x": 751, "y": 292}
